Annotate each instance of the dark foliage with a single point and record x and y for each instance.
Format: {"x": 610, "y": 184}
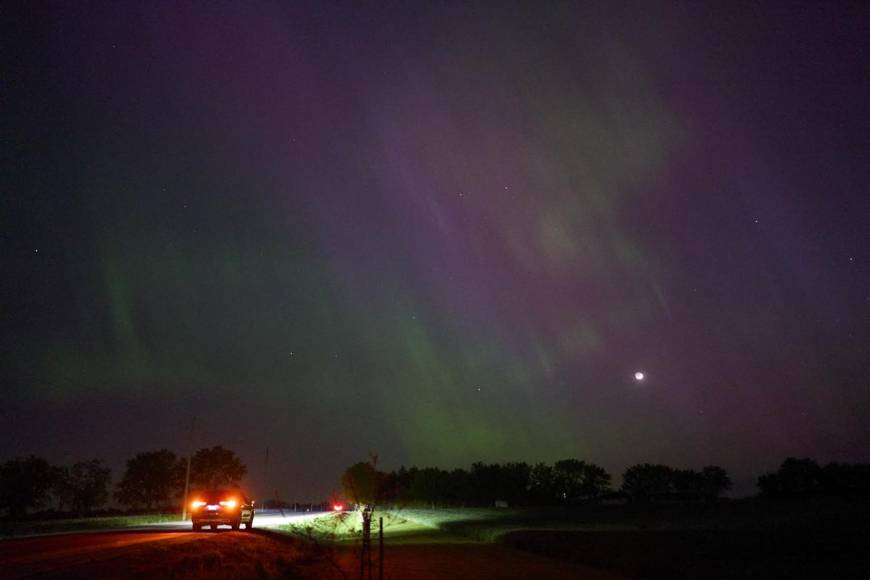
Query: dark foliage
{"x": 152, "y": 478}
{"x": 25, "y": 483}
{"x": 646, "y": 482}
{"x": 804, "y": 477}
{"x": 83, "y": 487}
{"x": 485, "y": 484}
{"x": 216, "y": 467}
{"x": 361, "y": 483}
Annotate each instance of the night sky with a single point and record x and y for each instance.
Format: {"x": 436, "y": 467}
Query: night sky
{"x": 440, "y": 232}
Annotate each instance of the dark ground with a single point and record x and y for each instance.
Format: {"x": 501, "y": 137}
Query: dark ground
{"x": 741, "y": 540}
{"x": 148, "y": 555}
{"x": 817, "y": 539}
{"x": 257, "y": 555}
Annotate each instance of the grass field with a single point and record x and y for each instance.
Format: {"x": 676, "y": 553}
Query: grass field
{"x": 10, "y": 529}
{"x": 346, "y": 527}
{"x": 748, "y": 539}
{"x": 420, "y": 550}
{"x": 742, "y": 539}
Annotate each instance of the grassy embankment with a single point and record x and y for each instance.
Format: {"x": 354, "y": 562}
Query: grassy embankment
{"x": 419, "y": 548}
{"x": 490, "y": 524}
{"x": 813, "y": 538}
{"x": 741, "y": 539}
{"x": 9, "y": 529}
{"x": 346, "y": 528}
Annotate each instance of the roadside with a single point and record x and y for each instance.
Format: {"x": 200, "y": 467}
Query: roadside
{"x": 750, "y": 539}
{"x": 180, "y": 555}
{"x": 18, "y": 529}
{"x": 264, "y": 518}
{"x": 414, "y": 549}
{"x": 266, "y": 554}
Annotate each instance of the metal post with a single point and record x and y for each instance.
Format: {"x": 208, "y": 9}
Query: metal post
{"x": 266, "y": 478}
{"x": 186, "y": 489}
{"x": 187, "y": 475}
{"x": 381, "y": 548}
{"x": 362, "y": 555}
{"x": 365, "y": 557}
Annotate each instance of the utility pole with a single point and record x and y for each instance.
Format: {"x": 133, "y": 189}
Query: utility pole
{"x": 187, "y": 475}
{"x": 266, "y": 477}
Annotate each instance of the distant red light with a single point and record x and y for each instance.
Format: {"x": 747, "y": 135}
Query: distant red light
{"x": 337, "y": 507}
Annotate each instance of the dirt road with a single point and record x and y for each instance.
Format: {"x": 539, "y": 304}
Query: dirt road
{"x": 147, "y": 555}
{"x": 227, "y": 554}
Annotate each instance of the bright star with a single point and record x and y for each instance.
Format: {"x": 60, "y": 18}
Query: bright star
{"x": 639, "y": 376}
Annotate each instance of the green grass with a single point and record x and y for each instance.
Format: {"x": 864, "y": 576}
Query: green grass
{"x": 457, "y": 525}
{"x": 452, "y": 525}
{"x": 346, "y": 527}
{"x": 490, "y": 524}
{"x": 814, "y": 539}
{"x": 36, "y": 527}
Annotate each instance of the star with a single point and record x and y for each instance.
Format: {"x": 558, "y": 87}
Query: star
{"x": 639, "y": 376}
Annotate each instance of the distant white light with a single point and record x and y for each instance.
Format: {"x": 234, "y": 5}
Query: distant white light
{"x": 639, "y": 376}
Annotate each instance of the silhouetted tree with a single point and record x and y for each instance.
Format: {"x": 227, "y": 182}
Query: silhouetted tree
{"x": 596, "y": 481}
{"x": 25, "y": 483}
{"x": 847, "y": 479}
{"x": 687, "y": 481}
{"x": 577, "y": 480}
{"x": 543, "y": 487}
{"x": 84, "y": 486}
{"x": 430, "y": 485}
{"x": 513, "y": 482}
{"x": 404, "y": 481}
{"x": 216, "y": 467}
{"x": 645, "y": 480}
{"x": 459, "y": 487}
{"x": 795, "y": 477}
{"x": 517, "y": 483}
{"x": 716, "y": 481}
{"x": 151, "y": 479}
{"x": 569, "y": 475}
{"x": 484, "y": 483}
{"x": 389, "y": 488}
{"x": 360, "y": 483}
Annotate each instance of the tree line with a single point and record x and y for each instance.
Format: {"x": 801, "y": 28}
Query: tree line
{"x": 797, "y": 478}
{"x": 151, "y": 479}
{"x": 573, "y": 481}
{"x": 568, "y": 481}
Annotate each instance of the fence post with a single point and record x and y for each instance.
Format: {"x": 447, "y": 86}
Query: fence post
{"x": 369, "y": 551}
{"x": 364, "y": 549}
{"x": 381, "y": 548}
